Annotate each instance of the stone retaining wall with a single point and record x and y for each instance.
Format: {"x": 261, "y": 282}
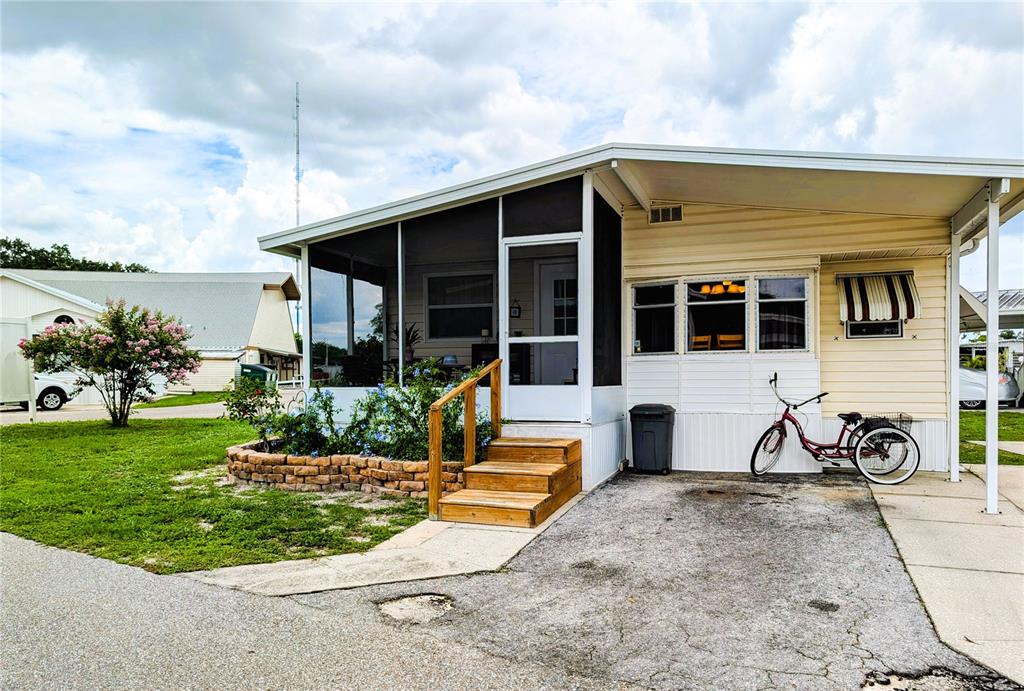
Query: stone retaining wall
{"x": 370, "y": 474}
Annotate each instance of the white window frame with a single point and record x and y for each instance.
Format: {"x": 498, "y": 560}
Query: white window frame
{"x": 675, "y": 316}
{"x": 808, "y": 319}
{"x": 746, "y": 302}
{"x": 427, "y": 307}
{"x": 899, "y": 323}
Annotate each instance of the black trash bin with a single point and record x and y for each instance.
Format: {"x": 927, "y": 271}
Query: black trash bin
{"x": 652, "y": 437}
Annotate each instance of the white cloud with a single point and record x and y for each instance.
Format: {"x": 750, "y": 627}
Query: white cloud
{"x": 131, "y": 134}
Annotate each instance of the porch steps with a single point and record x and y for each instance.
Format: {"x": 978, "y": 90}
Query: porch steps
{"x": 523, "y": 481}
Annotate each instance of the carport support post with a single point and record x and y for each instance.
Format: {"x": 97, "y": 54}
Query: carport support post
{"x": 954, "y": 357}
{"x": 992, "y": 354}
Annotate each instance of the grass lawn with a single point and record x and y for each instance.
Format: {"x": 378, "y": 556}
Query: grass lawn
{"x": 184, "y": 399}
{"x": 972, "y": 427}
{"x": 152, "y": 495}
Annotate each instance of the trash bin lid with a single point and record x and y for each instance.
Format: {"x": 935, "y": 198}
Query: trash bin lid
{"x": 652, "y": 409}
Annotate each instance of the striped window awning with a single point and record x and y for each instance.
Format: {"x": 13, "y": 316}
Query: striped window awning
{"x": 878, "y": 297}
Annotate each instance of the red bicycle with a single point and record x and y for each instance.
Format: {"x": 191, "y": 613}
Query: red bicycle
{"x": 880, "y": 447}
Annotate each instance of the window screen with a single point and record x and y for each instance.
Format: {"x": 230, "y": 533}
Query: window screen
{"x": 654, "y": 318}
{"x": 782, "y": 314}
{"x": 460, "y": 306}
{"x": 876, "y": 329}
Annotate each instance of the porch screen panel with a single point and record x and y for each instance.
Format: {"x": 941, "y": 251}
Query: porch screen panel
{"x": 556, "y": 207}
{"x": 328, "y": 316}
{"x": 607, "y": 294}
{"x": 451, "y": 284}
{"x": 354, "y": 347}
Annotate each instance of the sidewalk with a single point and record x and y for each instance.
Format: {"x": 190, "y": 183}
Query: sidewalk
{"x": 968, "y": 566}
{"x": 429, "y": 549}
{"x": 73, "y": 412}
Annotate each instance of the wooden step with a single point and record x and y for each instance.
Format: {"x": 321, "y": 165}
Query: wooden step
{"x": 503, "y": 507}
{"x": 492, "y": 507}
{"x": 513, "y": 476}
{"x": 534, "y": 450}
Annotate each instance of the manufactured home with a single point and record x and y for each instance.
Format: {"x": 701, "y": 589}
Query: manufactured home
{"x": 628, "y": 274}
{"x": 234, "y": 317}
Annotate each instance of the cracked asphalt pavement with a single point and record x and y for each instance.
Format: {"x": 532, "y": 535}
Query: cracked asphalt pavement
{"x": 699, "y": 581}
{"x": 690, "y": 581}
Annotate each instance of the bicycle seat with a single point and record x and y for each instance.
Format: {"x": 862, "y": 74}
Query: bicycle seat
{"x": 850, "y": 418}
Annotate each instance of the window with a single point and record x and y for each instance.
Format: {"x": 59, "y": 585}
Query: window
{"x": 565, "y": 311}
{"x": 782, "y": 314}
{"x": 877, "y": 329}
{"x": 716, "y": 316}
{"x": 460, "y": 306}
{"x": 654, "y": 318}
{"x": 64, "y": 319}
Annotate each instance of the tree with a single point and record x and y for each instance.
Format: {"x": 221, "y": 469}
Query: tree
{"x": 18, "y": 254}
{"x": 121, "y": 354}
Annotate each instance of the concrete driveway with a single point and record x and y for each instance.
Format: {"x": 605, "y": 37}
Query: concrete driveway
{"x": 678, "y": 582}
{"x": 17, "y": 416}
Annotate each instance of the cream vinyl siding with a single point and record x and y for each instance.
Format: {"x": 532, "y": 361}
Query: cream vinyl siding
{"x": 273, "y": 329}
{"x": 887, "y": 374}
{"x": 713, "y": 239}
{"x": 213, "y": 375}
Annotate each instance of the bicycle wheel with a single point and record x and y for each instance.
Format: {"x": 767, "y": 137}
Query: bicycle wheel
{"x": 887, "y": 455}
{"x": 768, "y": 450}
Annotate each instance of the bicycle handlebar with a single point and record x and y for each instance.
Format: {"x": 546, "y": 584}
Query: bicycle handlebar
{"x": 774, "y": 380}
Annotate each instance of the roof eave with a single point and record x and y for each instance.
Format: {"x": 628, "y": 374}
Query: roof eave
{"x": 287, "y": 242}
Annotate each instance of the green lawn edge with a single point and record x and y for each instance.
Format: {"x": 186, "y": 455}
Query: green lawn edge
{"x": 152, "y": 495}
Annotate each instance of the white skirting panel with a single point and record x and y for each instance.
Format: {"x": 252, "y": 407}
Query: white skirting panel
{"x": 931, "y": 436}
{"x": 603, "y": 445}
{"x": 724, "y": 441}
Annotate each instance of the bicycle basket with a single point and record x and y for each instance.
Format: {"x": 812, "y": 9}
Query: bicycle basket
{"x": 901, "y": 421}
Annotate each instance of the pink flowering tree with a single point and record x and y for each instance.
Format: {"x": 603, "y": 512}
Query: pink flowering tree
{"x": 123, "y": 354}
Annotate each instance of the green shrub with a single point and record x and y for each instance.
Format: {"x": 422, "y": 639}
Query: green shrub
{"x": 392, "y": 421}
{"x": 255, "y": 403}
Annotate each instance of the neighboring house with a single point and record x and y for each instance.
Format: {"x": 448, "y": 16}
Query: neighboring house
{"x": 628, "y": 274}
{"x": 234, "y": 317}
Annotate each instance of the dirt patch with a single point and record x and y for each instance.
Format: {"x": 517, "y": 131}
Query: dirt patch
{"x": 183, "y": 481}
{"x": 370, "y": 502}
{"x": 417, "y": 609}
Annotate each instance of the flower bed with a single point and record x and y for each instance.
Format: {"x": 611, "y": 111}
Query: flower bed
{"x": 369, "y": 474}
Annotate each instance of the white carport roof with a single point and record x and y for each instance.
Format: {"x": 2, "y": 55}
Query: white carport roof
{"x": 639, "y": 175}
{"x": 972, "y": 309}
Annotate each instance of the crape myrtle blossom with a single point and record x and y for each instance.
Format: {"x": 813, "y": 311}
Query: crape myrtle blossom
{"x": 123, "y": 354}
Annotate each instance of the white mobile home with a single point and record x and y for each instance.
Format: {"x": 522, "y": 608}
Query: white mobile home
{"x": 628, "y": 274}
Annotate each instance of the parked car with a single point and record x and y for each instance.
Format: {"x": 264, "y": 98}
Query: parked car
{"x": 972, "y": 388}
{"x": 51, "y": 393}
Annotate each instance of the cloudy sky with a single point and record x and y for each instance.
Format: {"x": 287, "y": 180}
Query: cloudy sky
{"x": 162, "y": 133}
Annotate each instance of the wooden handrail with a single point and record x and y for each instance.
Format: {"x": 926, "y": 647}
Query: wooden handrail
{"x": 468, "y": 389}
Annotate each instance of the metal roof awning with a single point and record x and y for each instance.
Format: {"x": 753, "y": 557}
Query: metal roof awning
{"x": 878, "y": 297}
{"x": 973, "y": 311}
